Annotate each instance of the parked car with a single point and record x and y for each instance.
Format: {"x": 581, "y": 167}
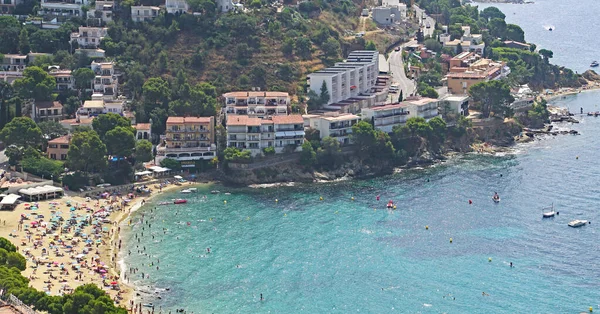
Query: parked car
{"x": 397, "y": 48}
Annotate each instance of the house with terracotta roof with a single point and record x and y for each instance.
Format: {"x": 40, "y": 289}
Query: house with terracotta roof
{"x": 58, "y": 148}
{"x": 71, "y": 124}
{"x": 47, "y": 111}
{"x": 256, "y": 103}
{"x": 460, "y": 79}
{"x": 143, "y": 131}
{"x": 255, "y": 134}
{"x": 188, "y": 139}
{"x": 386, "y": 117}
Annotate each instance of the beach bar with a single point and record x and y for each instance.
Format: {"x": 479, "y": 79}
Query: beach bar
{"x": 41, "y": 192}
{"x": 9, "y": 202}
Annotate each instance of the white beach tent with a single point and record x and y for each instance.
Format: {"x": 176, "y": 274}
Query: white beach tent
{"x": 143, "y": 173}
{"x": 41, "y": 192}
{"x": 9, "y": 201}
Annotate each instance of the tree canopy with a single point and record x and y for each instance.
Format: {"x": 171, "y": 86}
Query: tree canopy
{"x": 120, "y": 141}
{"x": 143, "y": 151}
{"x": 491, "y": 96}
{"x": 21, "y": 131}
{"x": 36, "y": 83}
{"x": 87, "y": 152}
{"x": 106, "y": 122}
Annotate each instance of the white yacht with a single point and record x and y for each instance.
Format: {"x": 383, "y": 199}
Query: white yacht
{"x": 578, "y": 223}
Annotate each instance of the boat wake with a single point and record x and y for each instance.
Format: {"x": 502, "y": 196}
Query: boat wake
{"x": 549, "y": 27}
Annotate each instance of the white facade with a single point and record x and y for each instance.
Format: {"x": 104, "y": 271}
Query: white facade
{"x": 228, "y": 5}
{"x": 176, "y": 6}
{"x": 14, "y": 63}
{"x": 338, "y": 126}
{"x": 257, "y": 104}
{"x": 255, "y": 134}
{"x": 458, "y": 104}
{"x": 89, "y": 37}
{"x": 384, "y": 16}
{"x": 66, "y": 8}
{"x": 105, "y": 82}
{"x": 8, "y": 6}
{"x": 97, "y": 106}
{"x": 141, "y": 13}
{"x": 357, "y": 75}
{"x": 64, "y": 79}
{"x": 386, "y": 117}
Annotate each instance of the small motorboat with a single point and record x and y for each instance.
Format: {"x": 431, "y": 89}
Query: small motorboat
{"x": 164, "y": 203}
{"x": 147, "y": 305}
{"x": 593, "y": 114}
{"x": 496, "y": 198}
{"x": 549, "y": 212}
{"x": 578, "y": 223}
{"x": 550, "y": 28}
{"x": 215, "y": 192}
{"x": 390, "y": 205}
{"x": 594, "y": 64}
{"x": 193, "y": 190}
{"x": 179, "y": 201}
{"x": 186, "y": 191}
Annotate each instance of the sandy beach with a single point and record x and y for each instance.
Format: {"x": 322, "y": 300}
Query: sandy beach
{"x": 75, "y": 240}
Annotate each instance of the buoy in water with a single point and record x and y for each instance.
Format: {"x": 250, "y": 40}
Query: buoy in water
{"x": 353, "y": 198}
{"x": 450, "y": 240}
{"x": 426, "y": 227}
{"x": 276, "y": 200}
{"x": 321, "y": 198}
{"x": 470, "y": 202}
{"x": 489, "y": 259}
{"x": 394, "y": 206}
{"x": 224, "y": 202}
{"x": 576, "y": 157}
{"x": 591, "y": 309}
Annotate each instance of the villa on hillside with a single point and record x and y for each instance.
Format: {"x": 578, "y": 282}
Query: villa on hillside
{"x": 187, "y": 139}
{"x": 256, "y": 103}
{"x": 255, "y": 134}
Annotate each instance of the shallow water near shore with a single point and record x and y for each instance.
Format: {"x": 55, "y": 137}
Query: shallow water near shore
{"x": 340, "y": 255}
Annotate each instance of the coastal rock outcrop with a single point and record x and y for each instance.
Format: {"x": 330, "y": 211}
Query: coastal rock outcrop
{"x": 591, "y": 75}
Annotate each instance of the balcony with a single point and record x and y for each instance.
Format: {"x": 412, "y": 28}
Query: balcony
{"x": 335, "y": 126}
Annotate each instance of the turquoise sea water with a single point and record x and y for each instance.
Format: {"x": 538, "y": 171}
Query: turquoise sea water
{"x": 339, "y": 255}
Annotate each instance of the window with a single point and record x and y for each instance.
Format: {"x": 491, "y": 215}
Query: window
{"x": 52, "y": 156}
{"x": 64, "y": 146}
{"x": 253, "y": 145}
{"x": 63, "y": 156}
{"x": 7, "y": 1}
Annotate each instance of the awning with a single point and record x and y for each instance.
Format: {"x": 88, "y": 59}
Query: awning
{"x": 10, "y": 199}
{"x": 143, "y": 173}
{"x": 39, "y": 190}
{"x": 178, "y": 177}
{"x": 159, "y": 169}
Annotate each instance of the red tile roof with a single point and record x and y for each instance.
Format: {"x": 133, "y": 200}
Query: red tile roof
{"x": 291, "y": 119}
{"x": 181, "y": 120}
{"x": 243, "y": 120}
{"x": 61, "y": 140}
{"x": 142, "y": 126}
{"x": 48, "y": 105}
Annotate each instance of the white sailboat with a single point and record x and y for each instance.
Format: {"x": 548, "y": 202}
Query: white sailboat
{"x": 549, "y": 211}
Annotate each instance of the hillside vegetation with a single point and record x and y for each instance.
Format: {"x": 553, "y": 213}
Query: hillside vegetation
{"x": 267, "y": 47}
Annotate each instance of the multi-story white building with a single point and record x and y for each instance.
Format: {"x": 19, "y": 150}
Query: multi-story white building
{"x": 386, "y": 117}
{"x": 64, "y": 79}
{"x": 257, "y": 104}
{"x": 333, "y": 124}
{"x": 47, "y": 111}
{"x": 89, "y": 37}
{"x": 176, "y": 6}
{"x": 98, "y": 106}
{"x": 106, "y": 82}
{"x": 255, "y": 134}
{"x": 357, "y": 75}
{"x": 14, "y": 63}
{"x": 62, "y": 8}
{"x": 141, "y": 13}
{"x": 103, "y": 10}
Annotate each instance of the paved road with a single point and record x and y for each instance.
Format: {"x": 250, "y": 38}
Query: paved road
{"x": 427, "y": 21}
{"x": 398, "y": 76}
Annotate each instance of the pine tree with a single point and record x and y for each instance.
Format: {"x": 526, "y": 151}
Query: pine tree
{"x": 400, "y": 98}
{"x": 324, "y": 94}
{"x": 24, "y": 47}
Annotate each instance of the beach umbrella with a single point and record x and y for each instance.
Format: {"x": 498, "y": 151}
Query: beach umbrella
{"x": 114, "y": 283}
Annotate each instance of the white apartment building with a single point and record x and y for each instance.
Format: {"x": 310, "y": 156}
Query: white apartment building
{"x": 257, "y": 104}
{"x": 64, "y": 79}
{"x": 46, "y": 111}
{"x": 357, "y": 75}
{"x": 386, "y": 117}
{"x": 333, "y": 124}
{"x": 14, "y": 63}
{"x": 106, "y": 82}
{"x": 89, "y": 37}
{"x": 176, "y": 6}
{"x": 141, "y": 13}
{"x": 255, "y": 134}
{"x": 62, "y": 8}
{"x": 98, "y": 106}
